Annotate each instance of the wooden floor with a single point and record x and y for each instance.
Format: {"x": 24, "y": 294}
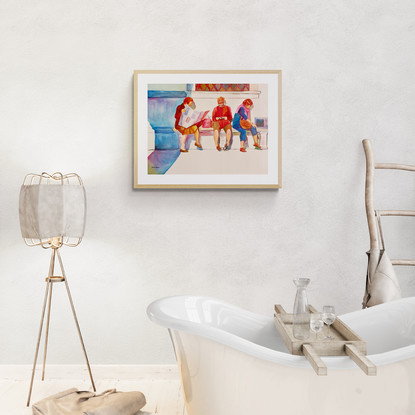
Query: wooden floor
{"x": 160, "y": 385}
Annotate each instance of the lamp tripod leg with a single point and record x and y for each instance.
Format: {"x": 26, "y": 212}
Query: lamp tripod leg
{"x": 76, "y": 320}
{"x": 47, "y": 331}
{"x": 48, "y": 287}
{"x": 38, "y": 342}
{"x": 51, "y": 273}
{"x": 47, "y": 291}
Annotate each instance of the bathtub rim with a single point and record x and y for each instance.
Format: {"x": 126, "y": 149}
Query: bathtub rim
{"x": 156, "y": 315}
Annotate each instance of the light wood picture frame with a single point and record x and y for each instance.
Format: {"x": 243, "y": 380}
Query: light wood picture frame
{"x": 207, "y": 129}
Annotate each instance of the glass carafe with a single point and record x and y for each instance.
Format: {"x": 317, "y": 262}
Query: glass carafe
{"x": 301, "y": 313}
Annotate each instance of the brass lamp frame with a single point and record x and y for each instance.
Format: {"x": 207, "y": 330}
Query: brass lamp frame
{"x": 33, "y": 179}
{"x": 54, "y": 243}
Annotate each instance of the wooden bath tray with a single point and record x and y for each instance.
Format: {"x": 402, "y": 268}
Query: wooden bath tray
{"x": 346, "y": 342}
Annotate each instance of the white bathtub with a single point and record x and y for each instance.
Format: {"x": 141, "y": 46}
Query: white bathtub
{"x": 233, "y": 362}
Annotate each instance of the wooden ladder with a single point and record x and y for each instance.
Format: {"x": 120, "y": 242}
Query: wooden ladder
{"x": 371, "y": 166}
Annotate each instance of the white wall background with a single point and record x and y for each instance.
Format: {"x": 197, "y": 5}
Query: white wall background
{"x": 66, "y": 104}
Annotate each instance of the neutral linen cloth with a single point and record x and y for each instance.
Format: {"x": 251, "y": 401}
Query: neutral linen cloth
{"x": 381, "y": 281}
{"x": 74, "y": 402}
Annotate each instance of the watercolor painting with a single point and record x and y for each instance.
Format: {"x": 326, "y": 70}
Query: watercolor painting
{"x": 193, "y": 131}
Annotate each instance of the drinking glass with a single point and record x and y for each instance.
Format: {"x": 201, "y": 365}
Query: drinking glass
{"x": 329, "y": 316}
{"x": 316, "y": 323}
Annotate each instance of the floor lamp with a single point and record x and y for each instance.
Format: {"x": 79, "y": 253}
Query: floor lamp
{"x": 52, "y": 211}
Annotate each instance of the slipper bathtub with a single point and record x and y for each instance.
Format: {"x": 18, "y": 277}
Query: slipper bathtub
{"x": 233, "y": 362}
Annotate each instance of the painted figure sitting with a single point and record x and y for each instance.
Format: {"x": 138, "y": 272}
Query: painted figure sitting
{"x": 184, "y": 132}
{"x": 221, "y": 119}
{"x": 242, "y": 123}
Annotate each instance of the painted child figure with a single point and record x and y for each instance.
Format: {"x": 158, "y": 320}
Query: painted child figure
{"x": 221, "y": 119}
{"x": 242, "y": 123}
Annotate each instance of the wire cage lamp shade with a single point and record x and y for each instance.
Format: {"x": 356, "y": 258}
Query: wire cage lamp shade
{"x": 52, "y": 209}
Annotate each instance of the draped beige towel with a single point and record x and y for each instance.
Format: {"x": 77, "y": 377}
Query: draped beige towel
{"x": 74, "y": 402}
{"x": 381, "y": 282}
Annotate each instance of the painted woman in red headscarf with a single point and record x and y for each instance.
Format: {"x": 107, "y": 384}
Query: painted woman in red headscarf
{"x": 184, "y": 132}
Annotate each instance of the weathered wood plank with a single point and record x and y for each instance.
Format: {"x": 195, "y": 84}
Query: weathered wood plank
{"x": 396, "y": 212}
{"x": 318, "y": 365}
{"x": 405, "y": 262}
{"x": 318, "y": 345}
{"x": 394, "y": 166}
{"x": 361, "y": 360}
{"x": 279, "y": 309}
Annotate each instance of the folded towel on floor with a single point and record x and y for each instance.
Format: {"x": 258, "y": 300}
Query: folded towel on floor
{"x": 74, "y": 402}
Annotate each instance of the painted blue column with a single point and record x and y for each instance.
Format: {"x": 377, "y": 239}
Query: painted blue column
{"x": 161, "y": 109}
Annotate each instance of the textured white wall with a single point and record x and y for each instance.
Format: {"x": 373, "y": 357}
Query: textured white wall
{"x": 66, "y": 104}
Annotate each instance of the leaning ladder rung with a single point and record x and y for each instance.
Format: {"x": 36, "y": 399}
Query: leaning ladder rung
{"x": 55, "y": 278}
{"x": 396, "y": 212}
{"x": 408, "y": 262}
{"x": 394, "y": 166}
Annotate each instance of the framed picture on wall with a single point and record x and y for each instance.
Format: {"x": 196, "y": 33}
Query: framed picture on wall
{"x": 207, "y": 129}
